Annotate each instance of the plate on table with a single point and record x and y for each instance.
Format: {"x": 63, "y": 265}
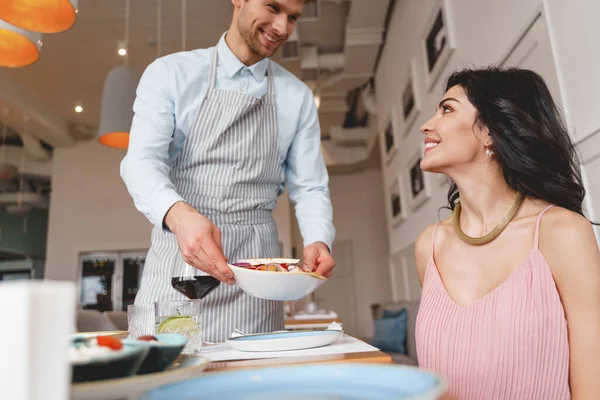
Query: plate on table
{"x": 185, "y": 367}
{"x": 315, "y": 382}
{"x": 285, "y": 340}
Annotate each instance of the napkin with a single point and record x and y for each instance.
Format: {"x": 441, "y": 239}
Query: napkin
{"x": 37, "y": 319}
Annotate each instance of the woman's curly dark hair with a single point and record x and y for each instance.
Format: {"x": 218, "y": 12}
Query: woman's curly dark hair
{"x": 530, "y": 140}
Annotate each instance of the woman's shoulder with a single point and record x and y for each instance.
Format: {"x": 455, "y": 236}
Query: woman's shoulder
{"x": 558, "y": 222}
{"x": 424, "y": 244}
{"x": 564, "y": 237}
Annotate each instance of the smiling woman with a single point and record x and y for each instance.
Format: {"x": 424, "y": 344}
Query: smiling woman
{"x": 496, "y": 274}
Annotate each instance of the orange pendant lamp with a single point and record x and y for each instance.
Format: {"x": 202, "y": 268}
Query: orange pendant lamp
{"x": 46, "y": 16}
{"x": 18, "y": 47}
{"x": 118, "y": 97}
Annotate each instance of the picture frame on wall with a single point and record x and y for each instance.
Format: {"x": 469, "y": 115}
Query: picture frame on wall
{"x": 418, "y": 183}
{"x": 438, "y": 42}
{"x": 395, "y": 203}
{"x": 389, "y": 141}
{"x": 410, "y": 101}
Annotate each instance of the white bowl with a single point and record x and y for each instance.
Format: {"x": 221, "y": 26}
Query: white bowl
{"x": 270, "y": 285}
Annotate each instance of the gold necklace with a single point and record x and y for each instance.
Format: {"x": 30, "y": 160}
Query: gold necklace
{"x": 494, "y": 232}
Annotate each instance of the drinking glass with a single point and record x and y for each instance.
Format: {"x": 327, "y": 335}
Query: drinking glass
{"x": 183, "y": 317}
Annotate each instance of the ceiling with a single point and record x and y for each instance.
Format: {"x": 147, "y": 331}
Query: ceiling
{"x": 347, "y": 35}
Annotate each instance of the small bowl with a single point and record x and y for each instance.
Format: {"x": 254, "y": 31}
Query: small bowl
{"x": 271, "y": 285}
{"x": 111, "y": 365}
{"x": 160, "y": 354}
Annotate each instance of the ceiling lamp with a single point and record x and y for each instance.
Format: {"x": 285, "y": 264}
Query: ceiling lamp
{"x": 18, "y": 47}
{"x": 117, "y": 107}
{"x": 118, "y": 97}
{"x": 46, "y": 16}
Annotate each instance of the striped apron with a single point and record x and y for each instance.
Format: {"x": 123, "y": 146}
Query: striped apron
{"x": 229, "y": 170}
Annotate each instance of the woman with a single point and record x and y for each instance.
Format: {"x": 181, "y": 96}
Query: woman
{"x": 510, "y": 305}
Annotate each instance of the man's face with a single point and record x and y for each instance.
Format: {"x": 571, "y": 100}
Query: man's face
{"x": 267, "y": 24}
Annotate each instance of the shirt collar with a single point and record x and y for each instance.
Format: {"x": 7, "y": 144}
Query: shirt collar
{"x": 233, "y": 65}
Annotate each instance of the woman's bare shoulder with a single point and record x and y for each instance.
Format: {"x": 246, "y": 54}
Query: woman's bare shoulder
{"x": 424, "y": 247}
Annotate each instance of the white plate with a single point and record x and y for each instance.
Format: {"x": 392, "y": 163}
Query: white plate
{"x": 134, "y": 386}
{"x": 285, "y": 340}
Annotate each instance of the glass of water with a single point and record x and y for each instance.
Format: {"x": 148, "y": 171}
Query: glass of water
{"x": 183, "y": 317}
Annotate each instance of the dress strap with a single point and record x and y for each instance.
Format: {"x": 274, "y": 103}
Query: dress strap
{"x": 536, "y": 240}
{"x": 433, "y": 239}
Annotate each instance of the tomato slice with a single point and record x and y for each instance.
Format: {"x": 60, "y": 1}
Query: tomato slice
{"x": 110, "y": 342}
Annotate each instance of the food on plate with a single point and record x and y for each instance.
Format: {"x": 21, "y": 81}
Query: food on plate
{"x": 82, "y": 351}
{"x": 275, "y": 265}
{"x": 111, "y": 342}
{"x": 148, "y": 338}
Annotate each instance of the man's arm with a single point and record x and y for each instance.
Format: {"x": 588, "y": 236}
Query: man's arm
{"x": 145, "y": 171}
{"x": 307, "y": 181}
{"x": 145, "y": 168}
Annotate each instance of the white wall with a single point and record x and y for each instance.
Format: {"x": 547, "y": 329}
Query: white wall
{"x": 359, "y": 217}
{"x": 91, "y": 210}
{"x": 574, "y": 31}
{"x": 485, "y": 32}
{"x": 577, "y": 57}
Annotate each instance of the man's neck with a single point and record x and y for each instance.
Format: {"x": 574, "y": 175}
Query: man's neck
{"x": 240, "y": 48}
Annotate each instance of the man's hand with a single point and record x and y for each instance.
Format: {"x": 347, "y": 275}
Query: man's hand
{"x": 317, "y": 256}
{"x": 199, "y": 241}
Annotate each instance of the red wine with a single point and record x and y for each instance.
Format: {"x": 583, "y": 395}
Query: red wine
{"x": 195, "y": 287}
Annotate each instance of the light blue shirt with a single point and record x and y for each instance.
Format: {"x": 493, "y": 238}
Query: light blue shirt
{"x": 168, "y": 97}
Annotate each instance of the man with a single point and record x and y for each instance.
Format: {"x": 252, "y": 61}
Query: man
{"x": 215, "y": 134}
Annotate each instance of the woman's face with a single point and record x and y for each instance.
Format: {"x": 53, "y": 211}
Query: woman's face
{"x": 452, "y": 139}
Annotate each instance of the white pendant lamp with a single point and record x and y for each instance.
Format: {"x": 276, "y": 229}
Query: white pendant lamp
{"x": 46, "y": 16}
{"x": 18, "y": 47}
{"x": 118, "y": 97}
{"x": 117, "y": 107}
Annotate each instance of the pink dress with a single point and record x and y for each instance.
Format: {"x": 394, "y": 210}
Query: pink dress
{"x": 512, "y": 344}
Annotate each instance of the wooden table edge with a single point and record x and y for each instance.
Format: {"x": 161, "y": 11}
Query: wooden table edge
{"x": 373, "y": 357}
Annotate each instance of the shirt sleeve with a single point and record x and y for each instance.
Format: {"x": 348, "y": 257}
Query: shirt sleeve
{"x": 145, "y": 169}
{"x": 307, "y": 178}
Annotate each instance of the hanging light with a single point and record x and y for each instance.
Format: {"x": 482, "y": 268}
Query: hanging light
{"x": 18, "y": 47}
{"x": 46, "y": 16}
{"x": 117, "y": 107}
{"x": 118, "y": 97}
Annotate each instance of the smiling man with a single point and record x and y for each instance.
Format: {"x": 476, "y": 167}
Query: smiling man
{"x": 215, "y": 135}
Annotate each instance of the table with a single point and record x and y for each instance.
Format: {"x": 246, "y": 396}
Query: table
{"x": 376, "y": 357}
